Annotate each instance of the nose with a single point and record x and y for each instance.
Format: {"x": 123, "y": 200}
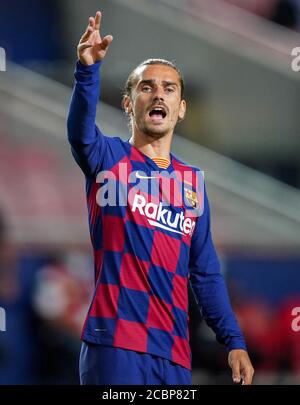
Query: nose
{"x": 157, "y": 99}
{"x": 158, "y": 95}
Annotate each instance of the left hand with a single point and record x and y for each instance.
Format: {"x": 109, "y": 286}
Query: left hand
{"x": 241, "y": 366}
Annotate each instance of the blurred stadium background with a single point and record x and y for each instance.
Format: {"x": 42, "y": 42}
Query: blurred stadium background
{"x": 242, "y": 129}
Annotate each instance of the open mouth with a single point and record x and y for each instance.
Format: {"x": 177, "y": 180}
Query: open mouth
{"x": 157, "y": 113}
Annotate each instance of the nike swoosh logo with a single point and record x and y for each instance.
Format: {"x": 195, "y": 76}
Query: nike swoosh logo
{"x": 139, "y": 176}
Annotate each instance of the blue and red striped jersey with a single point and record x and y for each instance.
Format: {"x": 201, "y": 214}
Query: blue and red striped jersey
{"x": 151, "y": 237}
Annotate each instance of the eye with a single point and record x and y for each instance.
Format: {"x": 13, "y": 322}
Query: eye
{"x": 170, "y": 89}
{"x": 146, "y": 89}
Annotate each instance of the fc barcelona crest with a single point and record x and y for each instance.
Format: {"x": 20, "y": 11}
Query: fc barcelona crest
{"x": 191, "y": 197}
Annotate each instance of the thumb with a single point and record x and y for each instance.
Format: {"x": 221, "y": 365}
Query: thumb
{"x": 236, "y": 375}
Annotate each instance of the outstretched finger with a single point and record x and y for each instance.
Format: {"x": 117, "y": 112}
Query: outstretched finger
{"x": 92, "y": 22}
{"x": 97, "y": 20}
{"x": 89, "y": 29}
{"x": 87, "y": 33}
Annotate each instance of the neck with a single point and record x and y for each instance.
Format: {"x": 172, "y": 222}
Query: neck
{"x": 151, "y": 146}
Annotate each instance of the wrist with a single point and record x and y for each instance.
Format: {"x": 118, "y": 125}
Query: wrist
{"x": 87, "y": 68}
{"x": 87, "y": 73}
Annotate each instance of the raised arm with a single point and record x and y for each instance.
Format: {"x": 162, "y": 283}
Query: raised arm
{"x": 87, "y": 142}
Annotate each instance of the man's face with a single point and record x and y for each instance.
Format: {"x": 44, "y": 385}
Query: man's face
{"x": 155, "y": 104}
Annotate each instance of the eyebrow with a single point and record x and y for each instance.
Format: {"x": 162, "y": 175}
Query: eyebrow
{"x": 151, "y": 81}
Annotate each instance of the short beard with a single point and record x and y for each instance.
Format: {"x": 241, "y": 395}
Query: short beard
{"x": 154, "y": 135}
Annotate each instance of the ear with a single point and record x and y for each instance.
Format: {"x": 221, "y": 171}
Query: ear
{"x": 127, "y": 105}
{"x": 182, "y": 110}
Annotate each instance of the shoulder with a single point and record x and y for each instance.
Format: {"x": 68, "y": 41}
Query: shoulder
{"x": 189, "y": 173}
{"x": 192, "y": 178}
{"x": 180, "y": 165}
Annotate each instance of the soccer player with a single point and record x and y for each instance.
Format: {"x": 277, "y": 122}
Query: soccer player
{"x": 148, "y": 243}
